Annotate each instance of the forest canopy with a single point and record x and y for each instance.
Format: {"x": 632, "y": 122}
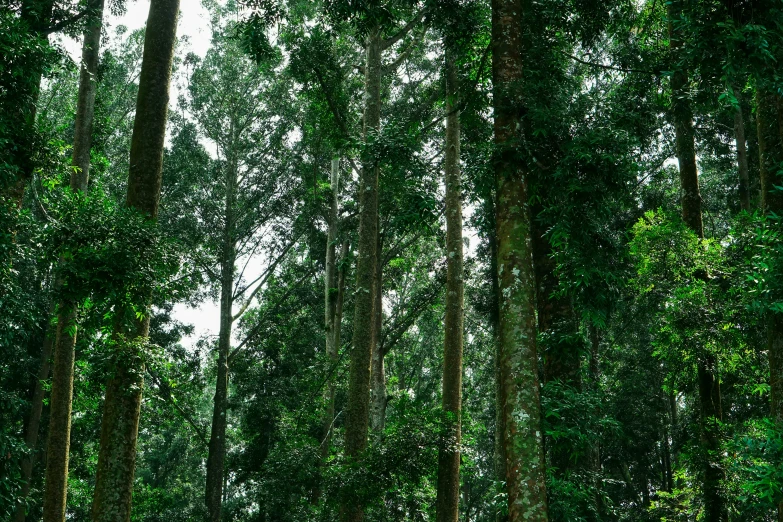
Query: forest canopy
{"x": 402, "y": 260}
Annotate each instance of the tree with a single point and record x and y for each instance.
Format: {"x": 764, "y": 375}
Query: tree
{"x": 65, "y": 334}
{"x": 120, "y": 423}
{"x": 449, "y": 453}
{"x": 519, "y": 389}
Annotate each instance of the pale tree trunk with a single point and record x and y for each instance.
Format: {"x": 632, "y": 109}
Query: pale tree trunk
{"x": 56, "y": 480}
{"x": 331, "y": 325}
{"x": 34, "y": 421}
{"x": 770, "y": 136}
{"x": 447, "y": 508}
{"x": 357, "y": 414}
{"x": 742, "y": 154}
{"x": 519, "y": 388}
{"x": 217, "y": 440}
{"x": 709, "y": 386}
{"x": 122, "y": 404}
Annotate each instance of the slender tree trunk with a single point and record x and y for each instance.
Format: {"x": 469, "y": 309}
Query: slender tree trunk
{"x": 331, "y": 326}
{"x": 523, "y": 441}
{"x": 58, "y": 446}
{"x": 378, "y": 372}
{"x": 709, "y": 386}
{"x": 357, "y": 417}
{"x": 122, "y": 404}
{"x": 34, "y": 421}
{"x": 499, "y": 464}
{"x": 449, "y": 452}
{"x": 742, "y": 154}
{"x": 770, "y": 136}
{"x": 217, "y": 440}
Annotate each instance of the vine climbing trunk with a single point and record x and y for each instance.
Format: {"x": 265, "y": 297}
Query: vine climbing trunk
{"x": 769, "y": 118}
{"x": 447, "y": 504}
{"x": 58, "y": 446}
{"x": 707, "y": 363}
{"x": 519, "y": 387}
{"x": 216, "y": 458}
{"x": 122, "y": 403}
{"x": 357, "y": 414}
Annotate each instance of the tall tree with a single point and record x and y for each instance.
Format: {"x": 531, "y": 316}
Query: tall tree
{"x": 449, "y": 452}
{"x": 519, "y": 387}
{"x": 707, "y": 363}
{"x": 122, "y": 403}
{"x": 56, "y": 481}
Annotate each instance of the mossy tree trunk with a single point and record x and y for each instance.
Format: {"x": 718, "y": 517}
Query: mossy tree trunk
{"x": 519, "y": 387}
{"x": 58, "y": 446}
{"x": 769, "y": 118}
{"x": 122, "y": 403}
{"x": 358, "y": 407}
{"x": 447, "y": 506}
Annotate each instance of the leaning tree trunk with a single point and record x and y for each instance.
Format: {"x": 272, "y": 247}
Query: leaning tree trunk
{"x": 519, "y": 389}
{"x": 58, "y": 446}
{"x": 709, "y": 386}
{"x": 447, "y": 505}
{"x": 770, "y": 136}
{"x": 358, "y": 407}
{"x": 122, "y": 404}
{"x": 217, "y": 440}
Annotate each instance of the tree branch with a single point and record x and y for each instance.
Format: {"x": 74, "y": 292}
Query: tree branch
{"x": 388, "y": 42}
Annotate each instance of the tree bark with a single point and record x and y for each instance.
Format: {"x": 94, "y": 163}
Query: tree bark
{"x": 520, "y": 401}
{"x": 34, "y": 422}
{"x": 378, "y": 371}
{"x": 447, "y": 506}
{"x": 742, "y": 154}
{"x": 58, "y": 446}
{"x": 122, "y": 404}
{"x": 708, "y": 384}
{"x": 217, "y": 440}
{"x": 769, "y": 117}
{"x": 357, "y": 415}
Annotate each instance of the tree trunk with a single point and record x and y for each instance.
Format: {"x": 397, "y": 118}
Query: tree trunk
{"x": 709, "y": 386}
{"x": 34, "y": 422}
{"x": 770, "y": 135}
{"x": 331, "y": 326}
{"x": 122, "y": 405}
{"x": 742, "y": 154}
{"x": 56, "y": 481}
{"x": 449, "y": 452}
{"x": 217, "y": 440}
{"x": 520, "y": 402}
{"x": 357, "y": 417}
{"x": 378, "y": 371}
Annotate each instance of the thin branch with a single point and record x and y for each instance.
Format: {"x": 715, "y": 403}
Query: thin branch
{"x": 266, "y": 275}
{"x": 274, "y": 307}
{"x": 608, "y": 67}
{"x": 62, "y": 24}
{"x": 164, "y": 392}
{"x": 389, "y": 68}
{"x": 388, "y": 42}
